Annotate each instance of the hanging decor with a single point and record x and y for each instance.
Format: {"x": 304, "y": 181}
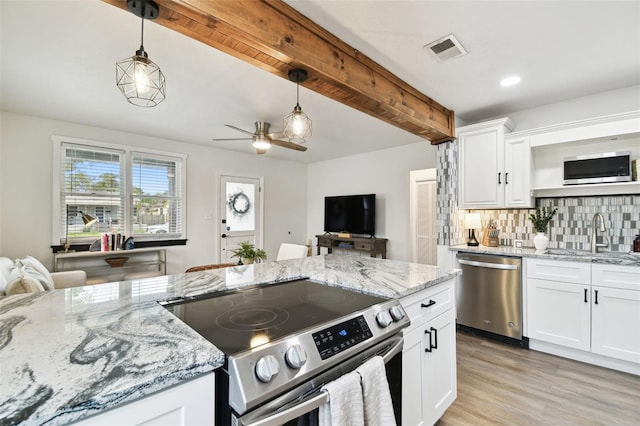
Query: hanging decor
{"x": 139, "y": 78}
{"x": 297, "y": 125}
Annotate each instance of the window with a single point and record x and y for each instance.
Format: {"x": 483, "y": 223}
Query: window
{"x": 156, "y": 199}
{"x": 112, "y": 189}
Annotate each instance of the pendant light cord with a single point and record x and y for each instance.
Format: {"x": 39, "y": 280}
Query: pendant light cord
{"x": 142, "y": 34}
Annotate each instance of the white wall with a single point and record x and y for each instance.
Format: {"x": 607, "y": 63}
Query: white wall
{"x": 25, "y": 190}
{"x": 385, "y": 173}
{"x": 598, "y": 105}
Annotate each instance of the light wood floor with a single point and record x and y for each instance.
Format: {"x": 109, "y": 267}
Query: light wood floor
{"x": 500, "y": 384}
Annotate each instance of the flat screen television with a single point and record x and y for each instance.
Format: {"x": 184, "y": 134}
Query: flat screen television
{"x": 355, "y": 214}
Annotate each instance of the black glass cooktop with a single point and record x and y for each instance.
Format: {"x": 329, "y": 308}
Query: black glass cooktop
{"x": 248, "y": 318}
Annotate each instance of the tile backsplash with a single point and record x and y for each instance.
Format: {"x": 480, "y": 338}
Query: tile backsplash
{"x": 570, "y": 228}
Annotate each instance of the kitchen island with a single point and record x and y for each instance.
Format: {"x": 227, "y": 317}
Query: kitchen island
{"x": 69, "y": 354}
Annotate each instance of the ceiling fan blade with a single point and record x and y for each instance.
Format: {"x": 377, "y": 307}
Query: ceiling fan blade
{"x": 232, "y": 139}
{"x": 290, "y": 145}
{"x": 239, "y": 129}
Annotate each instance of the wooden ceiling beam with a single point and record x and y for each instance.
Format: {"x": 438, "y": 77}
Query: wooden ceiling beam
{"x": 276, "y": 38}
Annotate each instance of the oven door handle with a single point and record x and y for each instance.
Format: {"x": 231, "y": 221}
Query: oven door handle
{"x": 311, "y": 404}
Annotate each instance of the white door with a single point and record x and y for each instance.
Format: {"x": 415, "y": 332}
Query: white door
{"x": 241, "y": 214}
{"x": 424, "y": 233}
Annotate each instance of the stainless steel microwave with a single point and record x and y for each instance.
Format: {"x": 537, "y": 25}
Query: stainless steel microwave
{"x": 597, "y": 168}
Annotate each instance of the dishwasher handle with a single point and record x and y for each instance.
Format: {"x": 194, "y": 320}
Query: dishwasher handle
{"x": 487, "y": 264}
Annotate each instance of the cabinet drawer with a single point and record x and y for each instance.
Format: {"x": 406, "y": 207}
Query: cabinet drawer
{"x": 557, "y": 270}
{"x": 616, "y": 276}
{"x": 324, "y": 242}
{"x": 429, "y": 303}
{"x": 363, "y": 245}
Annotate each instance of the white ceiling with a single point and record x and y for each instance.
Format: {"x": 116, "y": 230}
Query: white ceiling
{"x": 58, "y": 61}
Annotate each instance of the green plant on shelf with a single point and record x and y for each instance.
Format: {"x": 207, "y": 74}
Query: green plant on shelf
{"x": 541, "y": 218}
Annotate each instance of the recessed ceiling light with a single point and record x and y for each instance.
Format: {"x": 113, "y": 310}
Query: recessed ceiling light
{"x": 510, "y": 81}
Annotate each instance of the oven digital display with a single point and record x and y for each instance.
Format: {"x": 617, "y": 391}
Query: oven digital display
{"x": 340, "y": 337}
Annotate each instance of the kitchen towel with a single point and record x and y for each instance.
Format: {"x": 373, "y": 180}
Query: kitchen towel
{"x": 345, "y": 402}
{"x": 378, "y": 408}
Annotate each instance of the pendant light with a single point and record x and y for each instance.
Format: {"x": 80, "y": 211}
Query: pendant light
{"x": 140, "y": 79}
{"x": 297, "y": 125}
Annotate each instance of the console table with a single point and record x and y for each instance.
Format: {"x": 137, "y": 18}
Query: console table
{"x": 141, "y": 262}
{"x": 373, "y": 246}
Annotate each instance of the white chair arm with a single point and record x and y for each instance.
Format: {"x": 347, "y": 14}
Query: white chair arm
{"x": 68, "y": 279}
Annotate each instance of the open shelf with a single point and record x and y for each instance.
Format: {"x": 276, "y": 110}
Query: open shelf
{"x": 149, "y": 260}
{"x": 619, "y": 188}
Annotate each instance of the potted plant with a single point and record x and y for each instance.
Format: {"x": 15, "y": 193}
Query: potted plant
{"x": 540, "y": 222}
{"x": 248, "y": 253}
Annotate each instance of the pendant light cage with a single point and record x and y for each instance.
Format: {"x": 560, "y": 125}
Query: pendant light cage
{"x": 297, "y": 125}
{"x": 139, "y": 79}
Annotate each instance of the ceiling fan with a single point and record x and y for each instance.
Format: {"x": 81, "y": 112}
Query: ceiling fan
{"x": 262, "y": 139}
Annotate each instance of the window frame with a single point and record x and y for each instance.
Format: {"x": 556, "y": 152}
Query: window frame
{"x": 128, "y": 153}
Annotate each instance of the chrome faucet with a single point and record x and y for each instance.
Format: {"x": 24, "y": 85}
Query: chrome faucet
{"x": 594, "y": 233}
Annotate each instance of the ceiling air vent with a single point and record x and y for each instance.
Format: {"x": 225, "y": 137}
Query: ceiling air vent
{"x": 446, "y": 48}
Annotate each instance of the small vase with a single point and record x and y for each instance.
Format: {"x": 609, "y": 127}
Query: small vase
{"x": 540, "y": 241}
{"x": 247, "y": 260}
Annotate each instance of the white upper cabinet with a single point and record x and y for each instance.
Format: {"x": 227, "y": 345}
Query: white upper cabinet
{"x": 494, "y": 171}
{"x": 517, "y": 166}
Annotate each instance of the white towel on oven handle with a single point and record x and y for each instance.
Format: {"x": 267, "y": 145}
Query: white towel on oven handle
{"x": 345, "y": 402}
{"x": 378, "y": 408}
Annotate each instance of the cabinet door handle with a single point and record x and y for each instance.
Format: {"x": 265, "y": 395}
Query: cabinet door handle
{"x": 506, "y": 178}
{"x": 428, "y": 347}
{"x": 596, "y": 301}
{"x": 585, "y": 296}
{"x": 435, "y": 335}
{"x": 499, "y": 175}
{"x": 431, "y": 303}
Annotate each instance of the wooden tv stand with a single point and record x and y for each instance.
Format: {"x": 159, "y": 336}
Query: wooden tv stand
{"x": 373, "y": 246}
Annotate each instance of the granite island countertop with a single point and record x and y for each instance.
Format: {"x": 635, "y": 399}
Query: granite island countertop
{"x": 72, "y": 353}
{"x": 612, "y": 258}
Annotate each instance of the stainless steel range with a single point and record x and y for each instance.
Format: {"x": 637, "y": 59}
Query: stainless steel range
{"x": 283, "y": 342}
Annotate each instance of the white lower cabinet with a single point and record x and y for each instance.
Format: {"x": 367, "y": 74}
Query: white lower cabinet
{"x": 615, "y": 312}
{"x": 189, "y": 403}
{"x": 593, "y": 308}
{"x": 559, "y": 313}
{"x": 429, "y": 381}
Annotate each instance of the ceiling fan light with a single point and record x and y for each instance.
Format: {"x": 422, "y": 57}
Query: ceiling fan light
{"x": 297, "y": 125}
{"x": 261, "y": 144}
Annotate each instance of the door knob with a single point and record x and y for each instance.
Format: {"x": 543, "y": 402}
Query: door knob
{"x": 224, "y": 235}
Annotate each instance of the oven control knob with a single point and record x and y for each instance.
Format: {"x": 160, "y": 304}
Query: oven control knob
{"x": 397, "y": 313}
{"x": 267, "y": 368}
{"x": 295, "y": 356}
{"x": 384, "y": 319}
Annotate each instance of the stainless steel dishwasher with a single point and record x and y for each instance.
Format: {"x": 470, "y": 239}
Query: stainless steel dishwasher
{"x": 489, "y": 295}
